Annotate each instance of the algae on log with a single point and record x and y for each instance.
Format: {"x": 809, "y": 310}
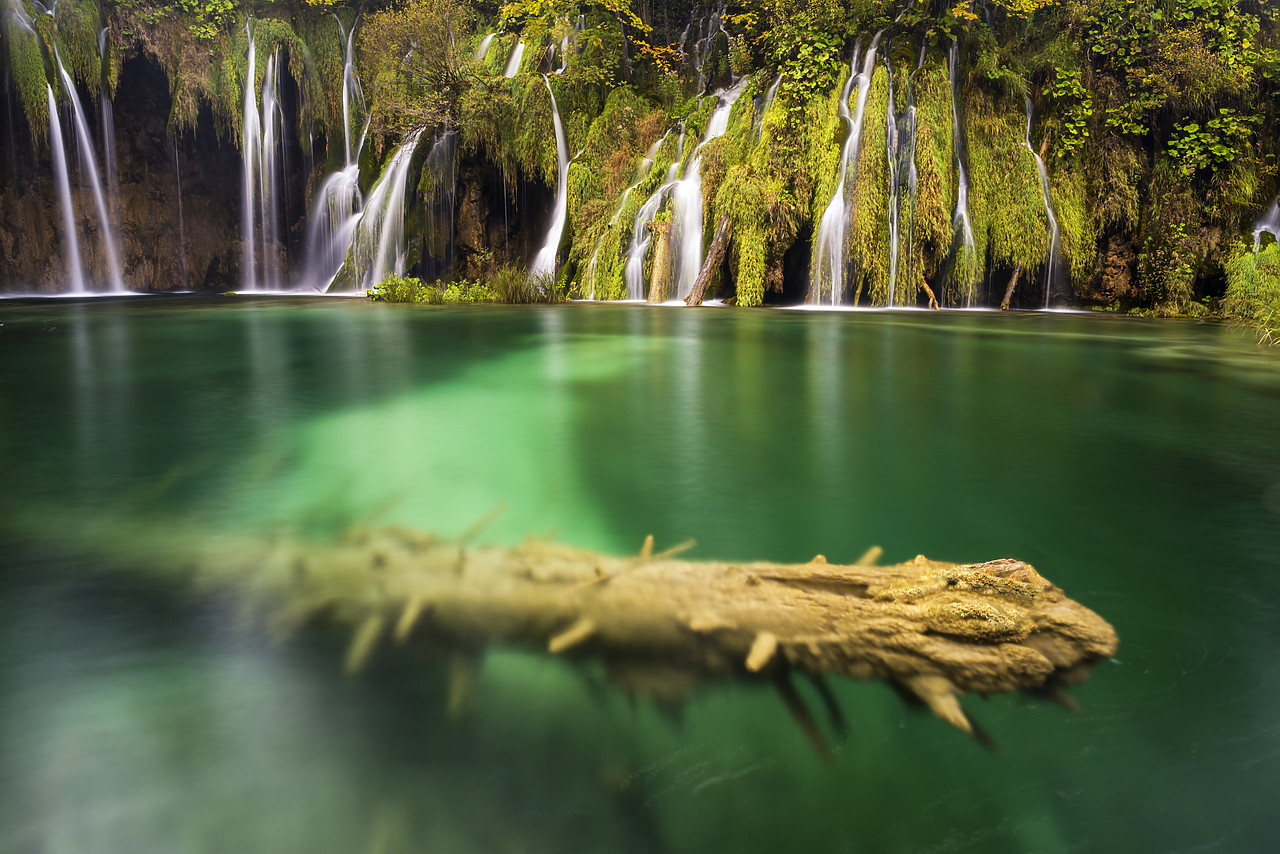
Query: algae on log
{"x": 662, "y": 625}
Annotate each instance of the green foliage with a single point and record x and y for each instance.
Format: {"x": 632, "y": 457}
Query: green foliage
{"x": 1253, "y": 289}
{"x": 1075, "y": 109}
{"x": 506, "y": 285}
{"x": 1213, "y": 145}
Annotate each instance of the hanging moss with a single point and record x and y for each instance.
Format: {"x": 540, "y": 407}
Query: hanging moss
{"x": 27, "y": 70}
{"x": 932, "y": 212}
{"x": 77, "y": 29}
{"x": 867, "y": 243}
{"x": 1006, "y": 199}
{"x": 1172, "y": 251}
{"x": 1078, "y": 241}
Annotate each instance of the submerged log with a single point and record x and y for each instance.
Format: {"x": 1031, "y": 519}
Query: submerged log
{"x": 715, "y": 257}
{"x": 662, "y": 625}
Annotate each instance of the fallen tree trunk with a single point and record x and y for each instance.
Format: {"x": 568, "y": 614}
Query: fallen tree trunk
{"x": 662, "y": 625}
{"x": 1008, "y": 292}
{"x": 715, "y": 257}
{"x": 658, "y": 281}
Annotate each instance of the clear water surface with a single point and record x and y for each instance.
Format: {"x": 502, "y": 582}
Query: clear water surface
{"x": 1134, "y": 463}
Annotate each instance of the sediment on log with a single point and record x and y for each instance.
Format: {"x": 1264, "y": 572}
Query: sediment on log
{"x": 715, "y": 257}
{"x": 662, "y": 626}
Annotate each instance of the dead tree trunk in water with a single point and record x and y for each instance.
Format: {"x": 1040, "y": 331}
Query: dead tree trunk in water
{"x": 715, "y": 257}
{"x": 1013, "y": 283}
{"x": 661, "y": 276}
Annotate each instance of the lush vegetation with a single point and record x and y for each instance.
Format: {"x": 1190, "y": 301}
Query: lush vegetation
{"x": 1156, "y": 119}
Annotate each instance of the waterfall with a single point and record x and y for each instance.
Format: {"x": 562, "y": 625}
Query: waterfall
{"x": 89, "y": 163}
{"x": 826, "y": 269}
{"x": 182, "y": 226}
{"x": 250, "y": 145}
{"x": 1048, "y": 209}
{"x": 704, "y": 43}
{"x": 350, "y": 85}
{"x": 960, "y": 219}
{"x": 338, "y": 203}
{"x": 1268, "y": 222}
{"x": 641, "y": 173}
{"x": 263, "y": 151}
{"x": 442, "y": 167}
{"x": 640, "y": 237}
{"x": 544, "y": 263}
{"x": 109, "y": 141}
{"x": 377, "y": 242}
{"x": 74, "y": 268}
{"x": 686, "y": 204}
{"x": 483, "y": 50}
{"x": 513, "y": 64}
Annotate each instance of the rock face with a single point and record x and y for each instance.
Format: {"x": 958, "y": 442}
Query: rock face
{"x": 164, "y": 245}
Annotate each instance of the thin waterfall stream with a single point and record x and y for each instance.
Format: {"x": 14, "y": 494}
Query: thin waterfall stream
{"x": 544, "y": 263}
{"x": 827, "y": 265}
{"x": 1048, "y": 209}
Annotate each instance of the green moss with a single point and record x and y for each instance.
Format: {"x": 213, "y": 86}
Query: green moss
{"x": 867, "y": 243}
{"x": 1006, "y": 199}
{"x": 77, "y": 41}
{"x": 932, "y": 228}
{"x": 29, "y": 79}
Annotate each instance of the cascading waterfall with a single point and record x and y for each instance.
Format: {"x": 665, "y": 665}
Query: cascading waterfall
{"x": 960, "y": 224}
{"x": 262, "y": 150}
{"x": 640, "y": 237}
{"x": 641, "y": 173}
{"x": 377, "y": 245}
{"x": 1268, "y": 222}
{"x": 1048, "y": 209}
{"x": 75, "y": 269}
{"x": 544, "y": 263}
{"x": 339, "y": 205}
{"x": 90, "y": 167}
{"x": 513, "y": 64}
{"x": 709, "y": 28}
{"x": 686, "y": 202}
{"x": 483, "y": 50}
{"x": 826, "y": 268}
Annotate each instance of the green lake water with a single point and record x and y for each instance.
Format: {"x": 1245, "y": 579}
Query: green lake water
{"x": 1134, "y": 463}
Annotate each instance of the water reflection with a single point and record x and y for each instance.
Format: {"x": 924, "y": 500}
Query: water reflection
{"x": 1133, "y": 462}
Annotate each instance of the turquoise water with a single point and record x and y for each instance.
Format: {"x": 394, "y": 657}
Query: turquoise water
{"x": 1134, "y": 463}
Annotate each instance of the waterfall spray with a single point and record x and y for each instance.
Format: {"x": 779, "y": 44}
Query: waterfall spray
{"x": 1048, "y": 209}
{"x": 483, "y": 50}
{"x": 826, "y": 269}
{"x": 544, "y": 263}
